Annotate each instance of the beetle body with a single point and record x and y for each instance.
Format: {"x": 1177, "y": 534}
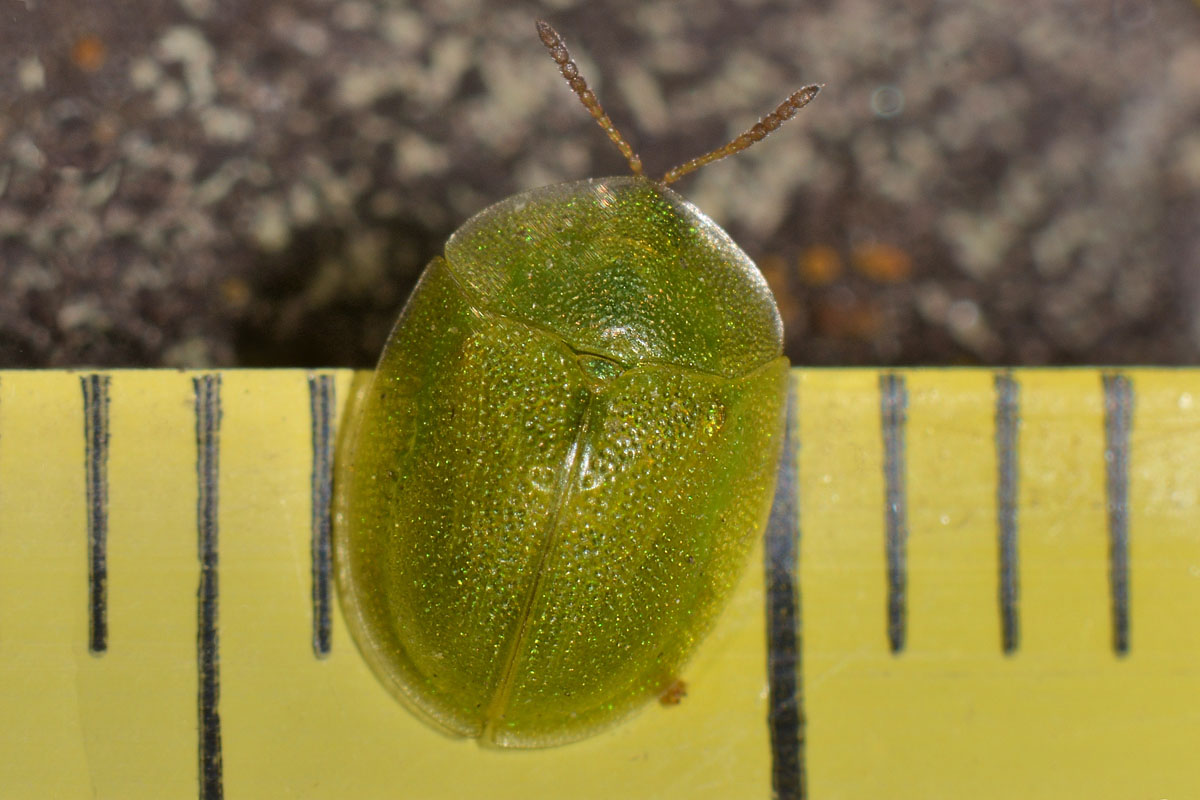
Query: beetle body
{"x": 550, "y": 486}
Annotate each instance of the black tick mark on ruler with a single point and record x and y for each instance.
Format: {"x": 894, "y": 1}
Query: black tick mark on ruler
{"x": 321, "y": 402}
{"x": 1008, "y": 399}
{"x": 893, "y": 406}
{"x": 1118, "y": 423}
{"x": 786, "y": 708}
{"x": 207, "y": 390}
{"x": 95, "y": 437}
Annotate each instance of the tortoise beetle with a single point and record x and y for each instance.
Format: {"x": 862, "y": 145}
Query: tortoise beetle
{"x": 550, "y": 485}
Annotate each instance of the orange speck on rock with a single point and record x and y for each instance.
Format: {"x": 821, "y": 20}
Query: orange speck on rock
{"x": 236, "y": 293}
{"x": 820, "y": 265}
{"x": 848, "y": 318}
{"x": 89, "y": 53}
{"x": 885, "y": 263}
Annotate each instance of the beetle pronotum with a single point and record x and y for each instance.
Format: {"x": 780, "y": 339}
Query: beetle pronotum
{"x": 548, "y": 489}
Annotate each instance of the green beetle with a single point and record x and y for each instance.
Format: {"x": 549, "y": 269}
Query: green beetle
{"x": 550, "y": 485}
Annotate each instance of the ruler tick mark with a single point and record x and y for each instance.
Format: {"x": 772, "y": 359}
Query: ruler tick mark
{"x": 207, "y": 390}
{"x": 95, "y": 434}
{"x": 321, "y": 401}
{"x": 1118, "y": 422}
{"x": 893, "y": 400}
{"x": 1007, "y": 392}
{"x": 785, "y": 715}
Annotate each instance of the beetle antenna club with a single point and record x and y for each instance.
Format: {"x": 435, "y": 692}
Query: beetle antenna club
{"x": 558, "y": 51}
{"x": 785, "y": 111}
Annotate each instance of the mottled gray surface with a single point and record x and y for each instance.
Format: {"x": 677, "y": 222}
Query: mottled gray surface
{"x": 208, "y": 182}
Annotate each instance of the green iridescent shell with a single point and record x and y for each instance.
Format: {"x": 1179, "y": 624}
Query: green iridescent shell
{"x": 550, "y": 486}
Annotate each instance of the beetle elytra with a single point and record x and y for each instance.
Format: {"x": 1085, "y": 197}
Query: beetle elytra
{"x": 550, "y": 485}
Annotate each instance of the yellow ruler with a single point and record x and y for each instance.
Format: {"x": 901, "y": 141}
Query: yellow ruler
{"x": 975, "y": 584}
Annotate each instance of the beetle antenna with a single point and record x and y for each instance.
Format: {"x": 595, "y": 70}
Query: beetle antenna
{"x": 558, "y": 51}
{"x": 785, "y": 111}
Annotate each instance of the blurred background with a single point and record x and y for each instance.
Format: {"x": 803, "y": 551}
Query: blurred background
{"x": 217, "y": 183}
